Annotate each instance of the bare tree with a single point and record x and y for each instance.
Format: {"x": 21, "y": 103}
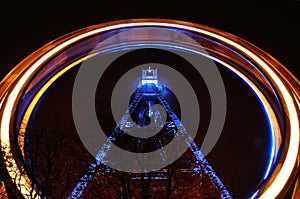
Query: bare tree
{"x": 56, "y": 160}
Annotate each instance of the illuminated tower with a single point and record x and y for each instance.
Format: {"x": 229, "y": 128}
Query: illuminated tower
{"x": 140, "y": 110}
{"x": 149, "y": 76}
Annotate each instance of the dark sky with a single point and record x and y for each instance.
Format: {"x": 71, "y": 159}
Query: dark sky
{"x": 27, "y": 26}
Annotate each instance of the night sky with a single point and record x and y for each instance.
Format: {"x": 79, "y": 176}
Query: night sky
{"x": 273, "y": 28}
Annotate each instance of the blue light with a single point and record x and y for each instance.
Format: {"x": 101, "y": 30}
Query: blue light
{"x": 272, "y": 132}
{"x": 272, "y": 150}
{"x": 267, "y": 172}
{"x": 254, "y": 195}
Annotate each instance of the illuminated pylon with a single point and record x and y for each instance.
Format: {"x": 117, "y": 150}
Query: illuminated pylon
{"x": 142, "y": 95}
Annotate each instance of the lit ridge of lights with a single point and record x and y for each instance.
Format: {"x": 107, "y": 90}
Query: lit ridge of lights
{"x": 281, "y": 177}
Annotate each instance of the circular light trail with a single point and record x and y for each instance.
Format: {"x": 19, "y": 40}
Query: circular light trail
{"x": 287, "y": 87}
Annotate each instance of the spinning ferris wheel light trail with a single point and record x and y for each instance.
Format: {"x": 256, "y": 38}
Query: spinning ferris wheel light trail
{"x": 265, "y": 71}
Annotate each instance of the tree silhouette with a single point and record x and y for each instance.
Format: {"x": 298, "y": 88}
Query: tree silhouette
{"x": 56, "y": 159}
